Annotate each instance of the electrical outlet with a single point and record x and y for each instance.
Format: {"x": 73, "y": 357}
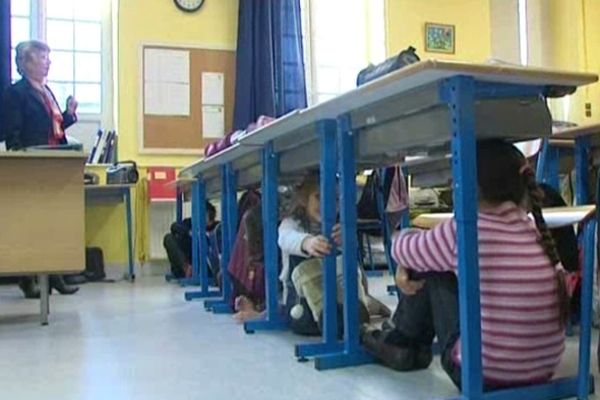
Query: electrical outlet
{"x": 588, "y": 110}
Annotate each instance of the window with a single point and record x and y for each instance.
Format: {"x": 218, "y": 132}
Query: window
{"x": 336, "y": 51}
{"x": 523, "y": 34}
{"x": 78, "y": 33}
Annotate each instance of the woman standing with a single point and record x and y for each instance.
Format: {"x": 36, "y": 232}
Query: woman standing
{"x": 32, "y": 117}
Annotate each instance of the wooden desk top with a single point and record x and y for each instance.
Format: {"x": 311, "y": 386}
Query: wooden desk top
{"x": 181, "y": 182}
{"x": 555, "y": 217}
{"x": 578, "y": 131}
{"x": 58, "y": 154}
{"x": 392, "y": 84}
{"x": 108, "y": 187}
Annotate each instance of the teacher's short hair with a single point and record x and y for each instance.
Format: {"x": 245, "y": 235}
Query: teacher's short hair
{"x": 25, "y": 50}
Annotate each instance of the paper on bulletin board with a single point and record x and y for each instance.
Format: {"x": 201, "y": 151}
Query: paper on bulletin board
{"x": 162, "y": 65}
{"x": 163, "y": 98}
{"x": 213, "y": 122}
{"x": 166, "y": 82}
{"x": 213, "y": 88}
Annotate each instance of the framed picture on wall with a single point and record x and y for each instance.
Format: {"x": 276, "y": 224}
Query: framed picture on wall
{"x": 439, "y": 38}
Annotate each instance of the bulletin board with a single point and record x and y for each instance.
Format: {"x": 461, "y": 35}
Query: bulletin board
{"x": 181, "y": 134}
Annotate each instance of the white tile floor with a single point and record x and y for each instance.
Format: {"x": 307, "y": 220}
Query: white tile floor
{"x": 143, "y": 341}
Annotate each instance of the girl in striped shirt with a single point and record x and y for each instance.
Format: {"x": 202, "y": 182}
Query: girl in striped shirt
{"x": 523, "y": 298}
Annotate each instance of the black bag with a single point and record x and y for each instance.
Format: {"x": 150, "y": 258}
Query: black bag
{"x": 94, "y": 264}
{"x": 404, "y": 58}
{"x": 367, "y": 204}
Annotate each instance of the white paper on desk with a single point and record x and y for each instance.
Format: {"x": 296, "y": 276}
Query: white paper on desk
{"x": 213, "y": 121}
{"x": 161, "y": 65}
{"x": 213, "y": 88}
{"x": 163, "y": 98}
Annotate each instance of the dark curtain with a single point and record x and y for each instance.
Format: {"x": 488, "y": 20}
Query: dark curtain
{"x": 269, "y": 61}
{"x": 4, "y": 53}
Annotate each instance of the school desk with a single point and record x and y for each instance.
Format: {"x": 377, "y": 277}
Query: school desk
{"x": 42, "y": 219}
{"x": 555, "y": 217}
{"x": 425, "y": 108}
{"x": 459, "y": 101}
{"x": 583, "y": 140}
{"x": 115, "y": 194}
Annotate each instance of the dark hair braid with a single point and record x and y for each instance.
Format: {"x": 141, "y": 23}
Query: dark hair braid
{"x": 503, "y": 175}
{"x": 536, "y": 196}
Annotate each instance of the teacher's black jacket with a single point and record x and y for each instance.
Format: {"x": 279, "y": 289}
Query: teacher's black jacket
{"x": 25, "y": 120}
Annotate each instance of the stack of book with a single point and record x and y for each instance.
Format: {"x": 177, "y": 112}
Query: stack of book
{"x": 105, "y": 148}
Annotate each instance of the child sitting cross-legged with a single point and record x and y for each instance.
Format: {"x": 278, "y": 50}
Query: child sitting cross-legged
{"x": 524, "y": 304}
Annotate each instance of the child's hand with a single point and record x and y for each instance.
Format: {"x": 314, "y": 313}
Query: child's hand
{"x": 316, "y": 246}
{"x": 336, "y": 235}
{"x": 406, "y": 285}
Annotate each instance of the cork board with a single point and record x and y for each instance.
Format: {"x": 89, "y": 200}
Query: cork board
{"x": 176, "y": 134}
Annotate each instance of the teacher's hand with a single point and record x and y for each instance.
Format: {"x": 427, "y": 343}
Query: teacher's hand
{"x": 72, "y": 105}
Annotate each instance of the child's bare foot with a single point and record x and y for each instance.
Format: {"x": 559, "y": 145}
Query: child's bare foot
{"x": 242, "y": 303}
{"x": 244, "y": 316}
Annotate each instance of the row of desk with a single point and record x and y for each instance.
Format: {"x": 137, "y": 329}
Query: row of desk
{"x": 430, "y": 109}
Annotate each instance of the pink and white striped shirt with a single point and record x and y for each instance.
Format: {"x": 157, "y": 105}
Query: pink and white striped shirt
{"x": 522, "y": 340}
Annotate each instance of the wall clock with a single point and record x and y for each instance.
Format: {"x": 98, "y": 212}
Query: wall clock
{"x": 189, "y": 5}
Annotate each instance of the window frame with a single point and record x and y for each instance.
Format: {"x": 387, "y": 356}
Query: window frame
{"x": 523, "y": 32}
{"x": 308, "y": 15}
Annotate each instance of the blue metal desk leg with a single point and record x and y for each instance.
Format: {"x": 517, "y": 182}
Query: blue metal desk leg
{"x": 547, "y": 165}
{"x": 179, "y": 206}
{"x": 229, "y": 206}
{"x": 179, "y": 218}
{"x": 326, "y": 129}
{"x": 581, "y": 196}
{"x": 197, "y": 193}
{"x": 540, "y": 170}
{"x": 583, "y": 372}
{"x": 352, "y": 353}
{"x": 199, "y": 246}
{"x": 582, "y": 148}
{"x": 460, "y": 94}
{"x": 127, "y": 198}
{"x": 553, "y": 170}
{"x": 270, "y": 211}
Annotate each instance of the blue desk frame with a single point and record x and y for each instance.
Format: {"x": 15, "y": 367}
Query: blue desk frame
{"x": 199, "y": 245}
{"x": 270, "y": 210}
{"x": 326, "y": 134}
{"x": 460, "y": 94}
{"x": 229, "y": 230}
{"x": 103, "y": 194}
{"x": 548, "y": 166}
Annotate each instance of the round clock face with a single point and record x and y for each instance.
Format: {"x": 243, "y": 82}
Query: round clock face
{"x": 189, "y": 5}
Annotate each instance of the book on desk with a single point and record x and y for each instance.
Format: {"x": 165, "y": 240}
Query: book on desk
{"x": 104, "y": 150}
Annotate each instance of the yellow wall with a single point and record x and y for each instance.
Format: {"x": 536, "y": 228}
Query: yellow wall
{"x": 405, "y": 26}
{"x": 159, "y": 21}
{"x": 150, "y": 21}
{"x": 574, "y": 35}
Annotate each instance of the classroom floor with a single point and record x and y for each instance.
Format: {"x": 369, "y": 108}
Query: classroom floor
{"x": 143, "y": 341}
